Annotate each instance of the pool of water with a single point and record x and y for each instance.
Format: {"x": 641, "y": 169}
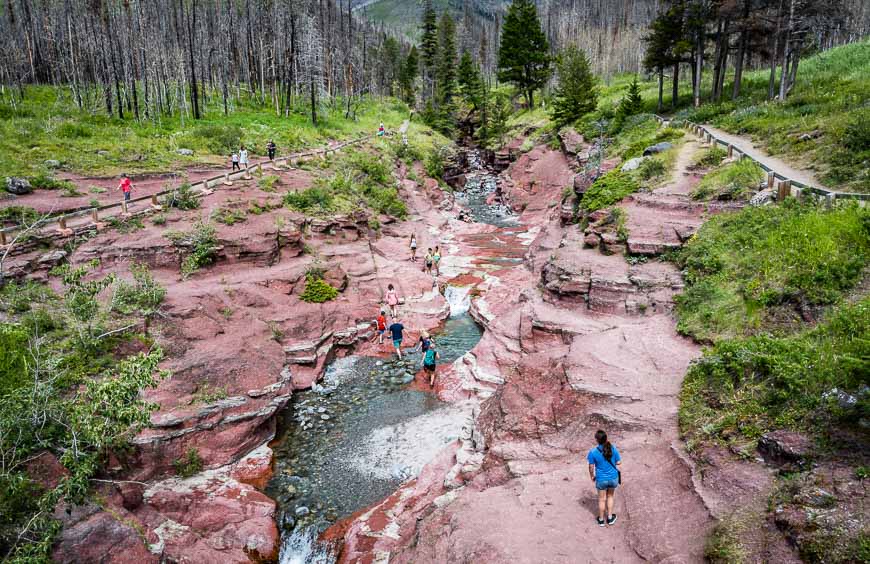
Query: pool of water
{"x": 478, "y": 188}
{"x": 356, "y": 437}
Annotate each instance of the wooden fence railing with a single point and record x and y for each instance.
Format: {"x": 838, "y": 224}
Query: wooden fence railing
{"x": 199, "y": 188}
{"x": 783, "y": 185}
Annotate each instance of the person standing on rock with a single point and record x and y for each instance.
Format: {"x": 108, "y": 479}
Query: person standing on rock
{"x": 436, "y": 260}
{"x": 381, "y": 323}
{"x": 235, "y": 160}
{"x": 243, "y": 157}
{"x": 125, "y": 186}
{"x": 392, "y": 301}
{"x": 413, "y": 247}
{"x": 429, "y": 359}
{"x": 427, "y": 262}
{"x": 396, "y": 333}
{"x": 270, "y": 149}
{"x": 604, "y": 462}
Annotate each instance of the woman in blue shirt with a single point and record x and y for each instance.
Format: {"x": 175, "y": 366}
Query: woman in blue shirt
{"x": 604, "y": 462}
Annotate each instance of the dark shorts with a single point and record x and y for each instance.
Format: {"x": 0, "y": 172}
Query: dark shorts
{"x": 601, "y": 485}
{"x": 429, "y": 367}
{"x": 381, "y": 331}
{"x": 236, "y": 166}
{"x": 127, "y": 196}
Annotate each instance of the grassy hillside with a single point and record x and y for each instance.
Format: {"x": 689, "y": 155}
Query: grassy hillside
{"x": 48, "y": 125}
{"x": 830, "y": 102}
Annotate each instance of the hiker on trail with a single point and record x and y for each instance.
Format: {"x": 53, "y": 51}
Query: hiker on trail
{"x": 429, "y": 357}
{"x": 436, "y": 260}
{"x": 243, "y": 157}
{"x": 381, "y": 130}
{"x": 235, "y": 160}
{"x": 413, "y": 247}
{"x": 125, "y": 186}
{"x": 604, "y": 462}
{"x": 392, "y": 300}
{"x": 270, "y": 149}
{"x": 396, "y": 334}
{"x": 428, "y": 261}
{"x": 381, "y": 324}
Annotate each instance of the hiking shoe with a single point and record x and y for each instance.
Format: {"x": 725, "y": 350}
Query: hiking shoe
{"x": 600, "y": 521}
{"x": 612, "y": 519}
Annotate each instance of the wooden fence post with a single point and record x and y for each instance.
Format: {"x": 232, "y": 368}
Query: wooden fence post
{"x": 730, "y": 150}
{"x": 829, "y": 200}
{"x": 771, "y": 179}
{"x": 124, "y": 207}
{"x": 2, "y": 238}
{"x": 61, "y": 222}
{"x": 227, "y": 181}
{"x": 95, "y": 215}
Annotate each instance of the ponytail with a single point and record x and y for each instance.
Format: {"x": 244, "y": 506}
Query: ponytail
{"x": 606, "y": 447}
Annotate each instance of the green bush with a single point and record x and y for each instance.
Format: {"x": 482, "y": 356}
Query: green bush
{"x": 385, "y": 200}
{"x": 315, "y": 198}
{"x": 200, "y": 246}
{"x": 733, "y": 181}
{"x": 651, "y": 168}
{"x": 711, "y": 157}
{"x": 19, "y": 214}
{"x": 741, "y": 267}
{"x": 434, "y": 164}
{"x": 220, "y": 139}
{"x": 317, "y": 290}
{"x": 188, "y": 465}
{"x": 182, "y": 198}
{"x": 372, "y": 166}
{"x": 45, "y": 181}
{"x": 268, "y": 183}
{"x": 70, "y": 130}
{"x": 228, "y": 215}
{"x": 13, "y": 360}
{"x": 857, "y": 134}
{"x": 608, "y": 190}
{"x": 748, "y": 386}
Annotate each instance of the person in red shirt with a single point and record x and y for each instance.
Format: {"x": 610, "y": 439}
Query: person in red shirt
{"x": 126, "y": 186}
{"x": 381, "y": 322}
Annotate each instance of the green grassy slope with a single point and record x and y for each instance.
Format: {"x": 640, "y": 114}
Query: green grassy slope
{"x": 48, "y": 125}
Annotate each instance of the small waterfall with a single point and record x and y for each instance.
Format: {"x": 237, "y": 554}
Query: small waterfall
{"x": 302, "y": 547}
{"x": 459, "y": 298}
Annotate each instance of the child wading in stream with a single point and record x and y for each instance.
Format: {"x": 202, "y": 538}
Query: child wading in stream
{"x": 429, "y": 358}
{"x": 604, "y": 462}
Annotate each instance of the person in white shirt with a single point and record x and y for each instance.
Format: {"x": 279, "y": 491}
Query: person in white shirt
{"x": 243, "y": 157}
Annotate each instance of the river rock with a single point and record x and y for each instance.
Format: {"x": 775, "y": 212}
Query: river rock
{"x": 184, "y": 152}
{"x": 18, "y": 186}
{"x": 763, "y": 198}
{"x": 632, "y": 164}
{"x": 785, "y": 447}
{"x": 302, "y": 511}
{"x": 657, "y": 148}
{"x": 407, "y": 378}
{"x": 571, "y": 141}
{"x": 52, "y": 163}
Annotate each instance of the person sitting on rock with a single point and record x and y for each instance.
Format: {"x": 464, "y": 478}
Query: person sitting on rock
{"x": 396, "y": 330}
{"x": 392, "y": 300}
{"x": 604, "y": 462}
{"x": 429, "y": 357}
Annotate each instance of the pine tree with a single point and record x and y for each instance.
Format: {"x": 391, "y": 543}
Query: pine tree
{"x": 470, "y": 83}
{"x": 429, "y": 39}
{"x": 631, "y": 104}
{"x": 523, "y": 54}
{"x": 576, "y": 94}
{"x": 408, "y": 74}
{"x": 445, "y": 74}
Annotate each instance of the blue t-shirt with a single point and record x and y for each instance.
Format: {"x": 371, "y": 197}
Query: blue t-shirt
{"x": 396, "y": 331}
{"x": 603, "y": 469}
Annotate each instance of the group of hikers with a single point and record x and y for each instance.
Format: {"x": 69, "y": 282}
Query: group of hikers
{"x": 239, "y": 159}
{"x": 425, "y": 344}
{"x": 432, "y": 260}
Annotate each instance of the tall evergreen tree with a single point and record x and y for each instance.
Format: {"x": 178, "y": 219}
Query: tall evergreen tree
{"x": 445, "y": 74}
{"x": 631, "y": 104}
{"x": 470, "y": 82}
{"x": 408, "y": 74}
{"x": 429, "y": 39}
{"x": 667, "y": 46}
{"x": 576, "y": 94}
{"x": 523, "y": 54}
